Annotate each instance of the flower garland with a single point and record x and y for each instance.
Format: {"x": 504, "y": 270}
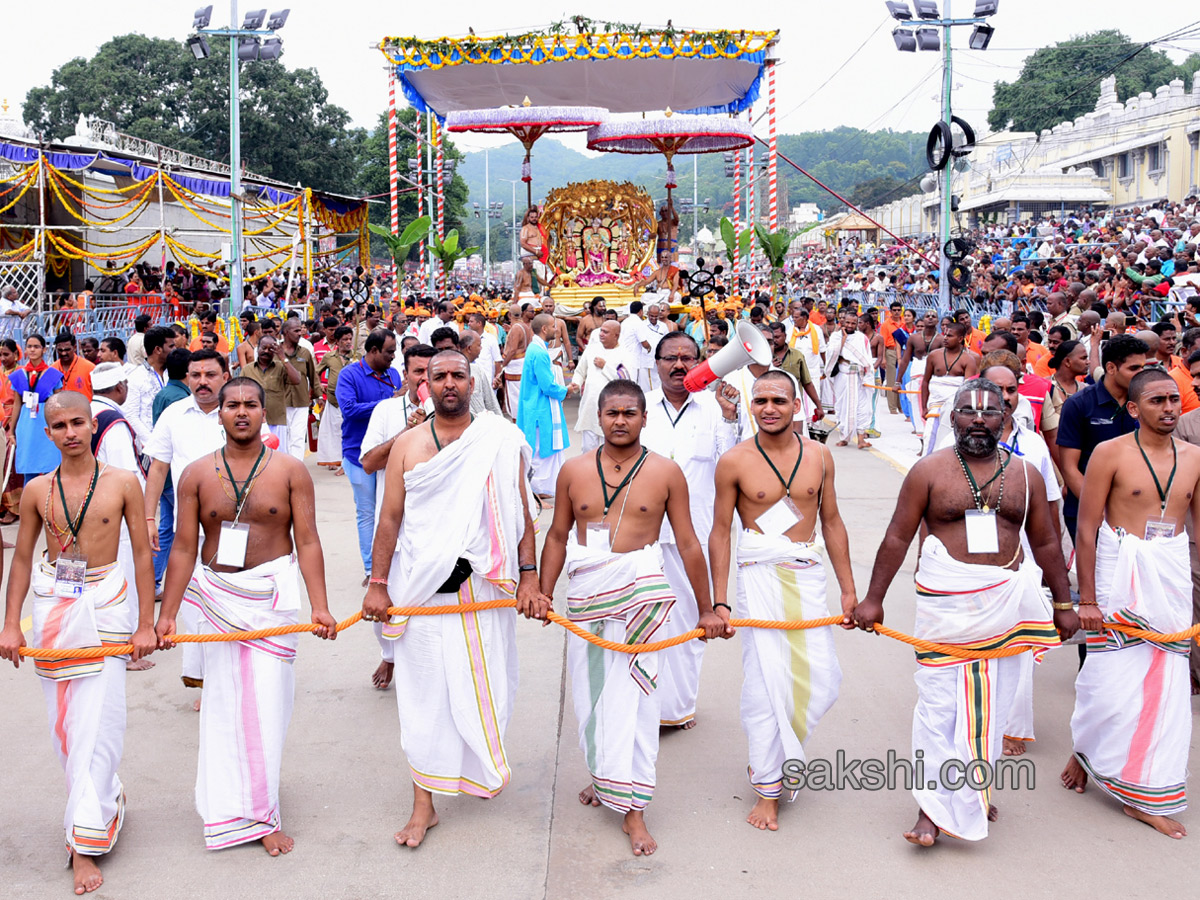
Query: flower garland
{"x": 625, "y": 42}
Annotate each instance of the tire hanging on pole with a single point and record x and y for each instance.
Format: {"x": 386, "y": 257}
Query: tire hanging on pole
{"x": 939, "y": 137}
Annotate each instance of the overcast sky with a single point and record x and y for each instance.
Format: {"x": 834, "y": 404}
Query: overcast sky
{"x": 878, "y": 88}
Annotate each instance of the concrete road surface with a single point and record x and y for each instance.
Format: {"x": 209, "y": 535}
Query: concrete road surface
{"x": 346, "y": 791}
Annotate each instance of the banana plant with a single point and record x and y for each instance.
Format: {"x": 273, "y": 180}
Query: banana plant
{"x": 448, "y": 252}
{"x": 399, "y": 246}
{"x": 736, "y": 245}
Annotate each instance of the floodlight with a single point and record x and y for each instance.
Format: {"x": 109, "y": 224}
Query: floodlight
{"x": 926, "y": 9}
{"x": 248, "y": 48}
{"x": 985, "y": 8}
{"x": 981, "y": 37}
{"x": 254, "y": 20}
{"x": 199, "y": 46}
{"x": 202, "y": 17}
{"x": 277, "y": 20}
{"x": 899, "y": 9}
{"x": 271, "y": 48}
{"x": 904, "y": 40}
{"x": 928, "y": 39}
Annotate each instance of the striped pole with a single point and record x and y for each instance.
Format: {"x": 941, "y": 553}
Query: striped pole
{"x": 772, "y": 150}
{"x": 393, "y": 173}
{"x": 441, "y": 200}
{"x": 737, "y": 215}
{"x": 751, "y": 209}
{"x": 421, "y": 201}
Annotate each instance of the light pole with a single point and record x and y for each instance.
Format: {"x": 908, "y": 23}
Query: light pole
{"x": 513, "y": 259}
{"x": 245, "y": 43}
{"x": 926, "y": 38}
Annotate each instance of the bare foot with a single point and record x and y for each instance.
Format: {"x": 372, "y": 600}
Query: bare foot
{"x": 923, "y": 833}
{"x": 1161, "y": 824}
{"x": 339, "y": 471}
{"x": 765, "y": 815}
{"x": 278, "y": 843}
{"x": 864, "y": 445}
{"x": 87, "y": 874}
{"x": 196, "y": 705}
{"x": 382, "y": 677}
{"x": 688, "y": 725}
{"x": 422, "y": 819}
{"x": 1013, "y": 747}
{"x": 588, "y": 796}
{"x": 140, "y": 666}
{"x": 639, "y": 837}
{"x": 993, "y": 813}
{"x": 1073, "y": 776}
{"x": 843, "y": 443}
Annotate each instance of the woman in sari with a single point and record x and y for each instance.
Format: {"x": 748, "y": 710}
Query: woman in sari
{"x": 32, "y": 385}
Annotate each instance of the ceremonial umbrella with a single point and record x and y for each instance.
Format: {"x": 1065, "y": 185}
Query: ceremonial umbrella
{"x": 526, "y": 123}
{"x": 672, "y": 134}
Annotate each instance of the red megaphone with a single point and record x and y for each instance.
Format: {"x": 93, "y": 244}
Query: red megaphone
{"x": 750, "y": 347}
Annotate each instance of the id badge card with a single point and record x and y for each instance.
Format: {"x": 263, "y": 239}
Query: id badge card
{"x": 231, "y": 551}
{"x": 597, "y": 535}
{"x": 29, "y": 400}
{"x": 1160, "y": 527}
{"x": 982, "y": 533}
{"x": 779, "y": 518}
{"x": 70, "y": 575}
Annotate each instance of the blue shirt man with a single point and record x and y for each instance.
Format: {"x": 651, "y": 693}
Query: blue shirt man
{"x": 360, "y": 388}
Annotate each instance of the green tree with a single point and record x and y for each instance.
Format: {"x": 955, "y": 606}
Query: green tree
{"x": 1061, "y": 82}
{"x": 881, "y": 189}
{"x": 155, "y": 89}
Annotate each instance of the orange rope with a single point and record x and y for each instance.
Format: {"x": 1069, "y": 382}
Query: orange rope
{"x": 580, "y": 631}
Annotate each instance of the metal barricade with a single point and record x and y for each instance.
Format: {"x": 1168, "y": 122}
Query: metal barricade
{"x": 110, "y": 321}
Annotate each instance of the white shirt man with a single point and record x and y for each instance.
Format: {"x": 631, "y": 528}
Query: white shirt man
{"x": 432, "y": 324}
{"x": 598, "y": 365}
{"x": 635, "y": 342}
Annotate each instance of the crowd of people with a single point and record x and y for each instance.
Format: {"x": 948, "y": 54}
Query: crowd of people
{"x": 1049, "y": 437}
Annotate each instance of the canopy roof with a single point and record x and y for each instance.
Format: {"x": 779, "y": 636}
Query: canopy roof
{"x": 621, "y": 71}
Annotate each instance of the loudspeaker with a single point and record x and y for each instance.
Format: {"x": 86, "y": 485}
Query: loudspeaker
{"x": 750, "y": 347}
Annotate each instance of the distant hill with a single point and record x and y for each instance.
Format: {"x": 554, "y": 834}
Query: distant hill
{"x": 842, "y": 158}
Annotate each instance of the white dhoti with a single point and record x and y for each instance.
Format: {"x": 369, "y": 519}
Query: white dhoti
{"x": 853, "y": 414}
{"x": 512, "y": 385}
{"x": 962, "y": 705}
{"x": 1132, "y": 724}
{"x": 456, "y": 675}
{"x": 329, "y": 437}
{"x": 679, "y": 666}
{"x": 545, "y": 471}
{"x": 620, "y": 597}
{"x": 916, "y": 374}
{"x": 938, "y": 430}
{"x": 456, "y": 680}
{"x": 791, "y": 677}
{"x": 85, "y": 700}
{"x": 297, "y": 431}
{"x": 589, "y": 440}
{"x": 248, "y": 691}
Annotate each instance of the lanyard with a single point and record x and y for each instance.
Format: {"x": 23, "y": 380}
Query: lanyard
{"x": 77, "y": 524}
{"x": 977, "y": 490}
{"x": 609, "y": 501}
{"x": 157, "y": 377}
{"x": 240, "y": 493}
{"x": 667, "y": 409}
{"x": 373, "y": 374}
{"x": 1162, "y": 495}
{"x": 433, "y": 430}
{"x": 787, "y": 485}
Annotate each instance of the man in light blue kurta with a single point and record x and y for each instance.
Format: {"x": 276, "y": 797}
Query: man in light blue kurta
{"x": 539, "y": 408}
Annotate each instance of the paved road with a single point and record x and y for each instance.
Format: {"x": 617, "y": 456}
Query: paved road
{"x": 345, "y": 789}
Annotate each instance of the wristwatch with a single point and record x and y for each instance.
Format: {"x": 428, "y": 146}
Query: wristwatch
{"x": 527, "y": 568}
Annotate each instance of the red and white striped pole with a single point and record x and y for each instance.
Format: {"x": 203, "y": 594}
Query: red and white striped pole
{"x": 441, "y": 199}
{"x": 772, "y": 151}
{"x": 421, "y": 203}
{"x": 751, "y": 209}
{"x": 737, "y": 215}
{"x": 393, "y": 173}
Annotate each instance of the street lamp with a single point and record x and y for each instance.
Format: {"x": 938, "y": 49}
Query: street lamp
{"x": 246, "y": 44}
{"x": 926, "y": 38}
